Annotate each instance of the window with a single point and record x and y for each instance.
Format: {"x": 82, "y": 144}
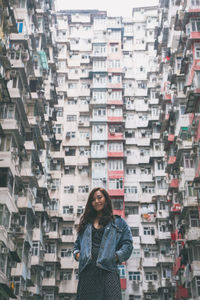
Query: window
{"x": 130, "y": 170}
{"x": 68, "y": 210}
{"x": 115, "y": 147}
{"x": 195, "y": 24}
{"x": 7, "y": 111}
{"x": 149, "y": 230}
{"x": 49, "y": 296}
{"x": 72, "y": 102}
{"x": 135, "y": 231}
{"x": 59, "y": 111}
{"x": 100, "y": 112}
{"x": 57, "y": 129}
{"x": 49, "y": 271}
{"x": 144, "y": 152}
{"x": 131, "y": 210}
{"x": 83, "y": 189}
{"x": 66, "y": 275}
{"x": 98, "y": 146}
{"x": 150, "y": 252}
{"x": 163, "y": 227}
{"x": 160, "y": 165}
{"x": 150, "y": 276}
{"x": 35, "y": 249}
{"x": 67, "y": 230}
{"x": 70, "y": 151}
{"x": 83, "y": 151}
{"x": 84, "y": 135}
{"x": 117, "y": 203}
{"x": 188, "y": 162}
{"x": 197, "y": 51}
{"x": 166, "y": 273}
{"x": 71, "y": 118}
{"x": 77, "y": 274}
{"x": 100, "y": 129}
{"x": 115, "y": 164}
{"x": 116, "y": 184}
{"x": 195, "y": 2}
{"x": 69, "y": 189}
{"x": 50, "y": 248}
{"x": 69, "y": 170}
{"x": 148, "y": 189}
{"x": 66, "y": 252}
{"x": 194, "y": 218}
{"x": 70, "y": 134}
{"x": 135, "y": 276}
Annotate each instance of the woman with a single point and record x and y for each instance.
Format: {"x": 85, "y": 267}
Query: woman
{"x": 103, "y": 242}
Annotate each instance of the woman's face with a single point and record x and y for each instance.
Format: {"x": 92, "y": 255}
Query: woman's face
{"x": 98, "y": 202}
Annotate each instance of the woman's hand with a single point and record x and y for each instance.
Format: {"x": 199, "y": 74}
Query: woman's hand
{"x": 77, "y": 256}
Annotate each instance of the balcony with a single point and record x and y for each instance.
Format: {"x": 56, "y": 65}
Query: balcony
{"x": 193, "y": 234}
{"x": 51, "y": 257}
{"x": 68, "y": 262}
{"x": 69, "y": 286}
{"x": 112, "y": 154}
{"x": 192, "y": 6}
{"x": 49, "y": 282}
{"x": 150, "y": 262}
{"x": 190, "y": 201}
{"x": 195, "y": 268}
{"x": 115, "y": 136}
{"x": 114, "y": 119}
{"x": 163, "y": 235}
{"x": 37, "y": 260}
{"x": 116, "y": 192}
{"x": 8, "y": 200}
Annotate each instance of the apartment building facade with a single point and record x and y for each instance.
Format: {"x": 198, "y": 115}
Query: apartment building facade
{"x": 27, "y": 99}
{"x": 177, "y": 47}
{"x": 90, "y": 100}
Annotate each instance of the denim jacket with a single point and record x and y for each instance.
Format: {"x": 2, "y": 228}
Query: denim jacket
{"x": 116, "y": 240}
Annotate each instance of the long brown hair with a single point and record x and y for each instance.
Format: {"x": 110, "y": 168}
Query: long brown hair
{"x": 90, "y": 213}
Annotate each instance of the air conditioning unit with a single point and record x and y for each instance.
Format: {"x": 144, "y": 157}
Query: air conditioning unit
{"x": 103, "y": 161}
{"x": 53, "y": 220}
{"x": 68, "y": 134}
{"x": 80, "y": 167}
